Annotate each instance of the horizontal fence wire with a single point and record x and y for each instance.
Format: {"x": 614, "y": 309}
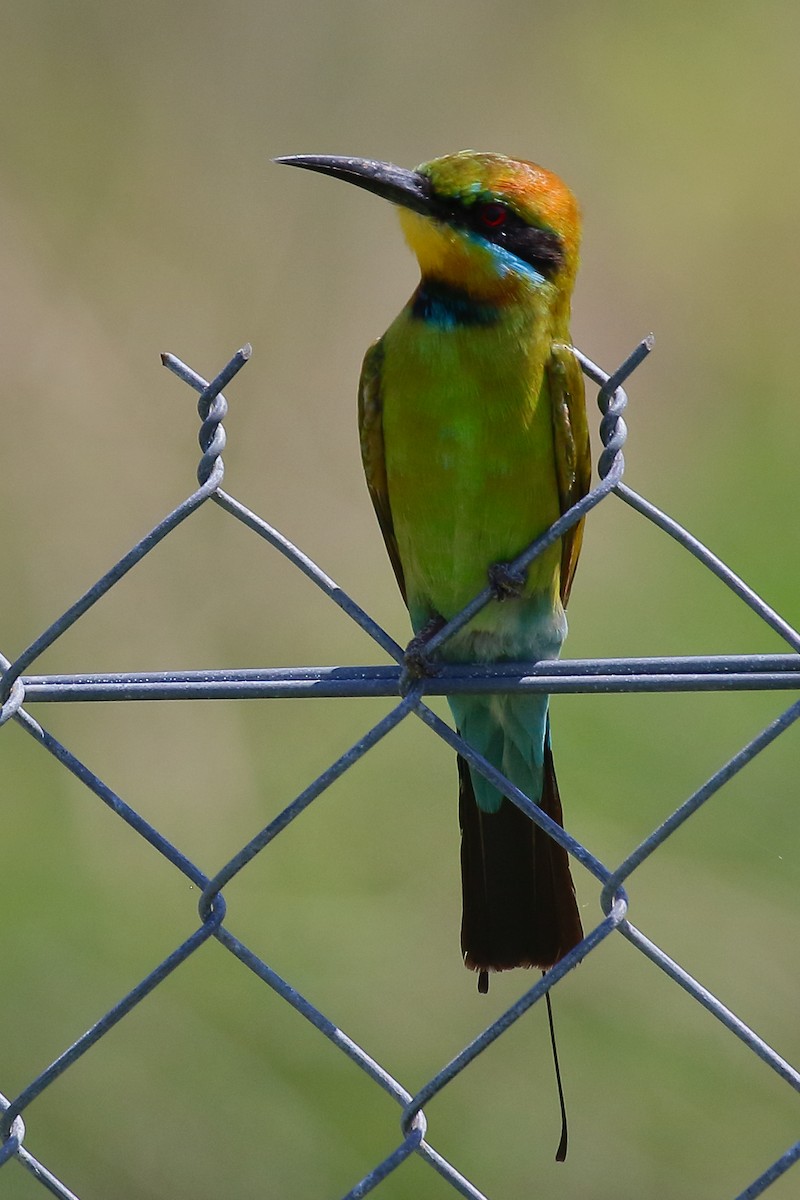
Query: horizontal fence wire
{"x": 773, "y": 672}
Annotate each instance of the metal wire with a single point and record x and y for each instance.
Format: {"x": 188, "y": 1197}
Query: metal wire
{"x": 702, "y": 673}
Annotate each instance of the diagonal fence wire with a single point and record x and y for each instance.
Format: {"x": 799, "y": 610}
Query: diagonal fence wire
{"x": 700, "y": 673}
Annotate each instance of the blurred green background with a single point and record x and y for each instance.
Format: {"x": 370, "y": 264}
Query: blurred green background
{"x": 140, "y": 213}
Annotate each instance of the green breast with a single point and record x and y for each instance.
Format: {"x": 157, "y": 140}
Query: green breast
{"x": 468, "y": 439}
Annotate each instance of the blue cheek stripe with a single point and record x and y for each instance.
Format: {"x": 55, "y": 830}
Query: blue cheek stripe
{"x": 505, "y": 262}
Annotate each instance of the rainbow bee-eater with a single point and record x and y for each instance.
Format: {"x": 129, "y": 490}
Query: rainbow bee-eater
{"x": 474, "y": 441}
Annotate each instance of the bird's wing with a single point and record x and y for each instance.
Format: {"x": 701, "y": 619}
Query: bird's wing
{"x": 370, "y": 425}
{"x": 573, "y": 456}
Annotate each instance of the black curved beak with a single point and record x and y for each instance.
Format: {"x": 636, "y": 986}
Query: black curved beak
{"x": 396, "y": 184}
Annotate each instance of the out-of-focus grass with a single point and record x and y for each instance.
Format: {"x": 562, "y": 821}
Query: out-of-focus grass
{"x": 140, "y": 213}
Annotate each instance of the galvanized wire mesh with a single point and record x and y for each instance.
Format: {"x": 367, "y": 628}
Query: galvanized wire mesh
{"x": 743, "y": 672}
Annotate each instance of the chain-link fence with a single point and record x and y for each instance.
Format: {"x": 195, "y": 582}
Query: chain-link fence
{"x": 710, "y": 673}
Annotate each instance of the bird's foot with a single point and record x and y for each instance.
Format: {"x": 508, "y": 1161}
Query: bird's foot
{"x": 416, "y": 663}
{"x": 506, "y": 582}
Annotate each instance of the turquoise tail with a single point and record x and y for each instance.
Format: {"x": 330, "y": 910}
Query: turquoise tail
{"x": 509, "y": 731}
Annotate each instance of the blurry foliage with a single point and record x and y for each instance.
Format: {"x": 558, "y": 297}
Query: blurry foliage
{"x": 140, "y": 213}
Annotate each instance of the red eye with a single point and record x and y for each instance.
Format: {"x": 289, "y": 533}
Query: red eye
{"x": 493, "y": 215}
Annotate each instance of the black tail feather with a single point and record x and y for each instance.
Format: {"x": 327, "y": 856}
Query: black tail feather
{"x": 519, "y": 898}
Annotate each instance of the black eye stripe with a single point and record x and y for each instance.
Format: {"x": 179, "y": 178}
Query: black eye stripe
{"x": 540, "y": 248}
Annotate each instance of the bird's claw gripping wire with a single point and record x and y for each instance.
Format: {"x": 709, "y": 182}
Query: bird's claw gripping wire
{"x": 416, "y": 663}
{"x": 506, "y": 581}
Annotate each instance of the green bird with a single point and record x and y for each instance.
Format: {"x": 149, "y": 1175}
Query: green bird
{"x": 474, "y": 440}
